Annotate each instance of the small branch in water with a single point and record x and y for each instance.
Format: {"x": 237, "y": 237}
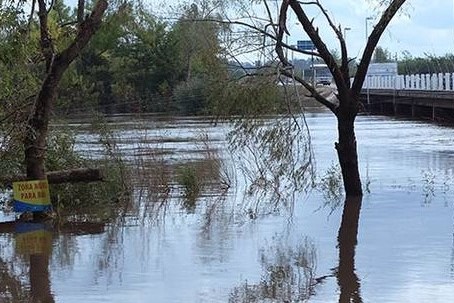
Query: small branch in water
{"x": 63, "y": 176}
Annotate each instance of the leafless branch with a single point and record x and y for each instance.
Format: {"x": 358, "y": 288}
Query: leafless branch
{"x": 47, "y": 46}
{"x": 312, "y": 90}
{"x": 32, "y": 12}
{"x": 281, "y": 30}
{"x": 80, "y": 11}
{"x": 261, "y": 31}
{"x": 270, "y": 17}
{"x": 321, "y": 47}
{"x": 51, "y": 6}
{"x": 372, "y": 42}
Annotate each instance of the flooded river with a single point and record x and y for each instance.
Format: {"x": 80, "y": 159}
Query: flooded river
{"x": 401, "y": 248}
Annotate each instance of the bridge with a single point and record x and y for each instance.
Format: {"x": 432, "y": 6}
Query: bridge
{"x": 420, "y": 96}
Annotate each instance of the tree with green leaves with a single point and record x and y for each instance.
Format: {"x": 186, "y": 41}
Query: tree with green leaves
{"x": 40, "y": 43}
{"x": 56, "y": 63}
{"x": 199, "y": 53}
{"x": 382, "y": 55}
{"x": 429, "y": 64}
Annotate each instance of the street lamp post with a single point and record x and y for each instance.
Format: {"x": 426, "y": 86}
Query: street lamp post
{"x": 345, "y": 32}
{"x": 367, "y": 76}
{"x": 367, "y": 22}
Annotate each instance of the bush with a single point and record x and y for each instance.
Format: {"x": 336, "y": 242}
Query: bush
{"x": 97, "y": 198}
{"x": 189, "y": 180}
{"x": 190, "y": 97}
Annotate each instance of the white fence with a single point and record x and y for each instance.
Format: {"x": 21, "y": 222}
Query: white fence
{"x": 439, "y": 82}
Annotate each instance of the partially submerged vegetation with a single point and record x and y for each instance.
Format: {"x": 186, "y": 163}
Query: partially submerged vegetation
{"x": 100, "y": 198}
{"x": 288, "y": 275}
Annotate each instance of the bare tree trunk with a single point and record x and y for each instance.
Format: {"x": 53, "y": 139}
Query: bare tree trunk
{"x": 56, "y": 64}
{"x": 80, "y": 11}
{"x": 35, "y": 140}
{"x": 348, "y": 155}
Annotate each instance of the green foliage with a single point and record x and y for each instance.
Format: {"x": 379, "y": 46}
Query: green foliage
{"x": 252, "y": 97}
{"x": 331, "y": 186}
{"x": 425, "y": 65}
{"x": 188, "y": 178}
{"x": 99, "y": 199}
{"x": 190, "y": 97}
{"x": 11, "y": 158}
{"x": 135, "y": 62}
{"x": 198, "y": 42}
{"x": 61, "y": 153}
{"x": 382, "y": 55}
{"x": 18, "y": 77}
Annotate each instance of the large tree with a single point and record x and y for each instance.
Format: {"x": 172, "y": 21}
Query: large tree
{"x": 348, "y": 93}
{"x": 56, "y": 63}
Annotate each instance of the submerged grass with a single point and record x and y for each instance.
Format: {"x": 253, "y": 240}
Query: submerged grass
{"x": 164, "y": 181}
{"x": 100, "y": 200}
{"x": 190, "y": 181}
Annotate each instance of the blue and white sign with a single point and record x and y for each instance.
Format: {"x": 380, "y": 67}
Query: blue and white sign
{"x": 306, "y": 45}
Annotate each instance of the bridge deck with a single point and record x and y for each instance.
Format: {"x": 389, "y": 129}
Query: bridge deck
{"x": 429, "y": 98}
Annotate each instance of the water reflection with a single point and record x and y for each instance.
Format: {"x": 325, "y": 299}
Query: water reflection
{"x": 347, "y": 279}
{"x": 11, "y": 287}
{"x": 33, "y": 247}
{"x": 288, "y": 275}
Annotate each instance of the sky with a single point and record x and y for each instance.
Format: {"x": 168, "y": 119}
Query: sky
{"x": 423, "y": 27}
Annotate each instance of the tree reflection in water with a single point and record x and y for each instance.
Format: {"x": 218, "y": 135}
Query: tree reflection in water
{"x": 288, "y": 275}
{"x": 33, "y": 245}
{"x": 40, "y": 279}
{"x": 347, "y": 279}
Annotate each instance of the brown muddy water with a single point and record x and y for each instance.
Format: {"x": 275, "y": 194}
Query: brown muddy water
{"x": 219, "y": 250}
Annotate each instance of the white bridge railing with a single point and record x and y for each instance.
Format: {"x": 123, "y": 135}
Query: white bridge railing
{"x": 438, "y": 82}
